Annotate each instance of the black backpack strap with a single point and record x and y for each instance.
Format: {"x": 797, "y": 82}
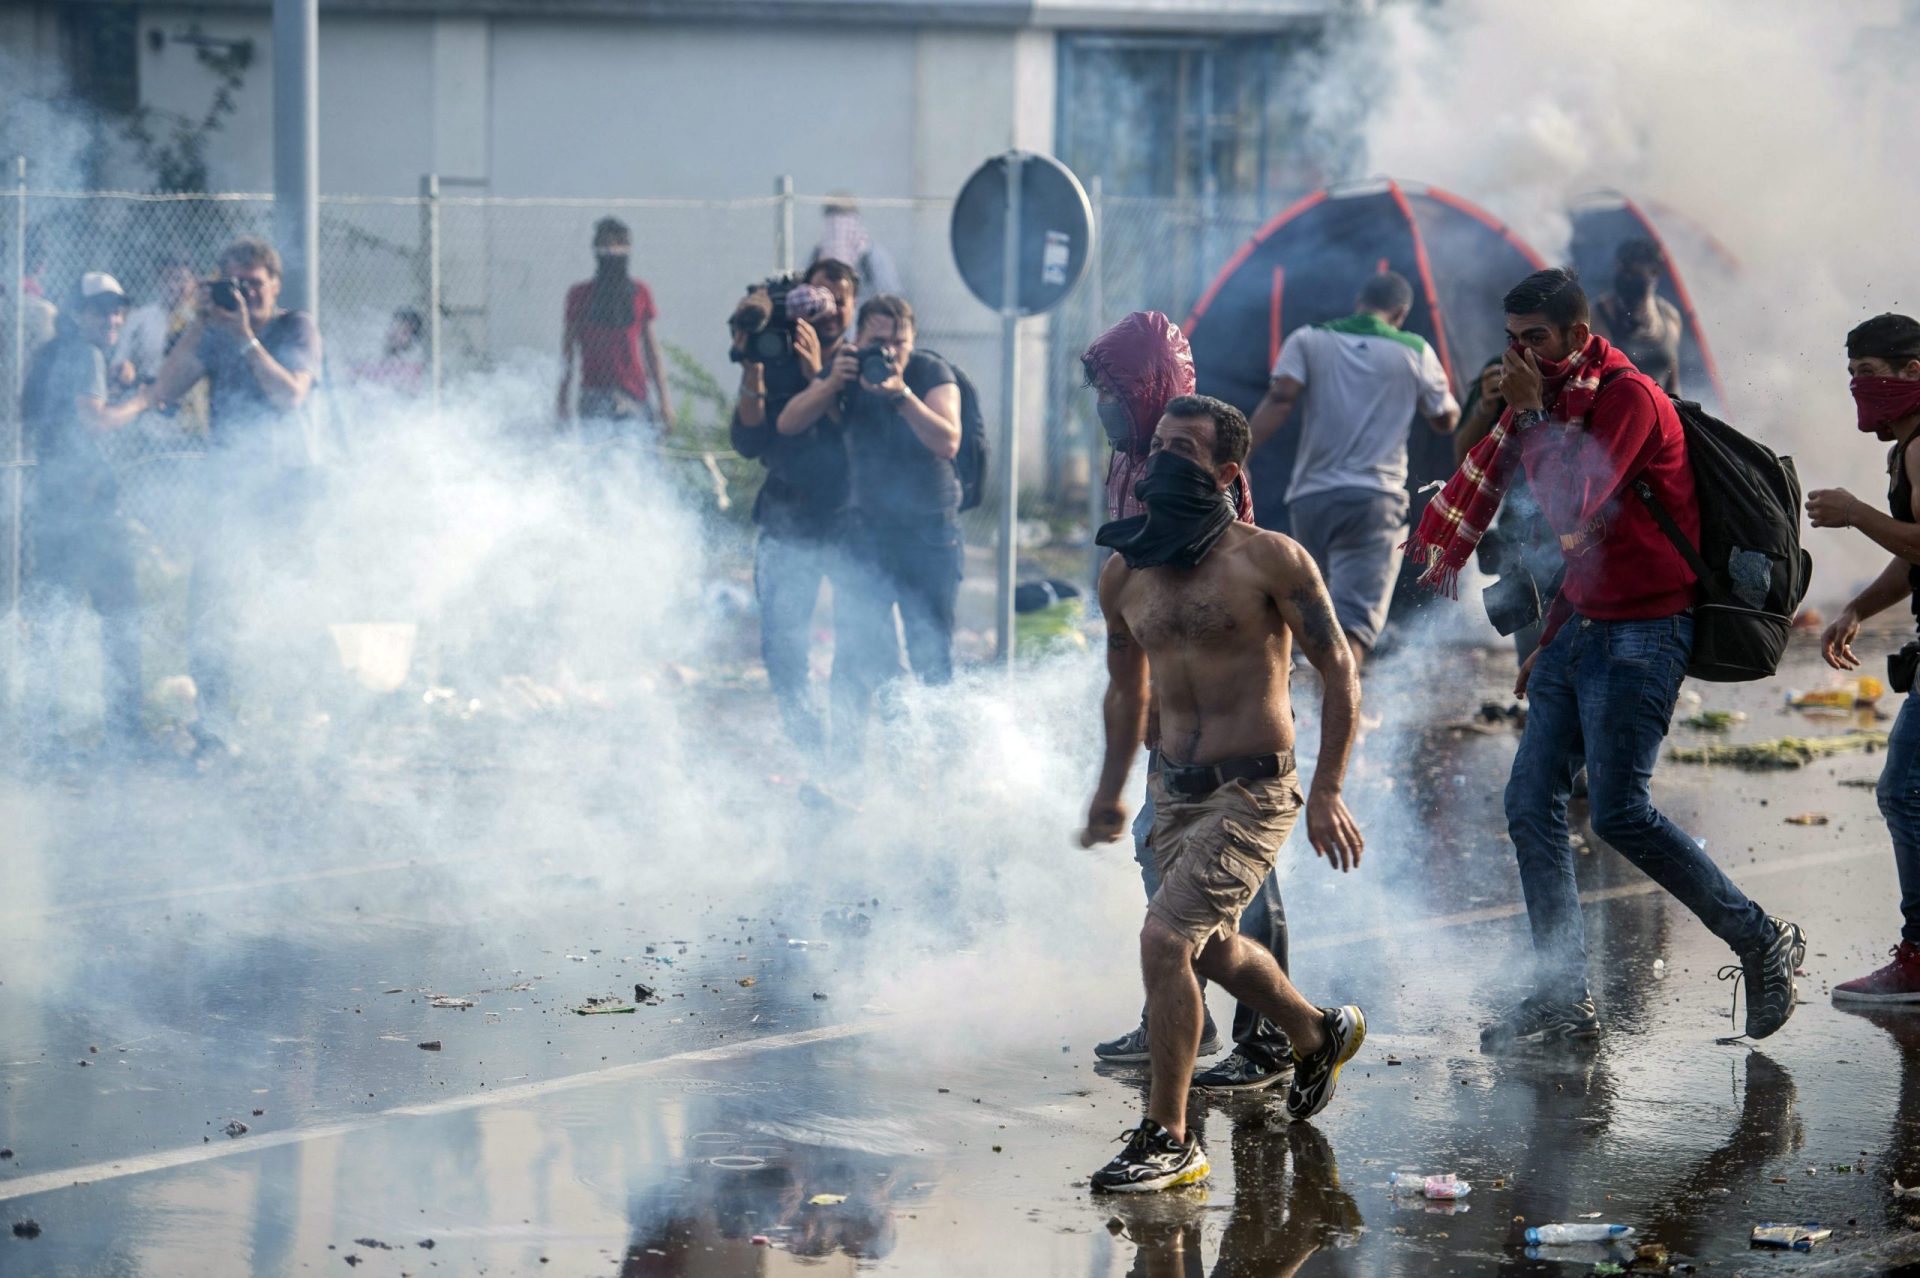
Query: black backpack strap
{"x": 1688, "y": 551}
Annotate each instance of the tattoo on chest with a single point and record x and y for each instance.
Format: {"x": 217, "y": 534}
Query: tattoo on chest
{"x": 1319, "y": 629}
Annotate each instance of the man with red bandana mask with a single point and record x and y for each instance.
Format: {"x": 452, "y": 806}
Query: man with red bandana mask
{"x": 1136, "y": 368}
{"x": 1883, "y": 356}
{"x": 1589, "y": 429}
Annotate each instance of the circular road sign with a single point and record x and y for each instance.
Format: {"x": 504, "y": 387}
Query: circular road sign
{"x": 1056, "y": 231}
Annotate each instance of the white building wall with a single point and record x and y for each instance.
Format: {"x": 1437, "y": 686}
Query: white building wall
{"x": 376, "y": 104}
{"x": 603, "y": 109}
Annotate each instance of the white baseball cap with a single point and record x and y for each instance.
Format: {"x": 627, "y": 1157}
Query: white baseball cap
{"x": 100, "y": 284}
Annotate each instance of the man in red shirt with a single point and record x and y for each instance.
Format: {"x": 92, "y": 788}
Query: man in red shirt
{"x": 609, "y": 326}
{"x": 1597, "y": 437}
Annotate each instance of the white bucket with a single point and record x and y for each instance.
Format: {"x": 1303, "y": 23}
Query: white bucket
{"x": 377, "y": 654}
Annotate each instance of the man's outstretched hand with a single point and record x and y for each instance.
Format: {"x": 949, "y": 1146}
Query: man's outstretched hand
{"x": 1332, "y": 830}
{"x": 1106, "y": 822}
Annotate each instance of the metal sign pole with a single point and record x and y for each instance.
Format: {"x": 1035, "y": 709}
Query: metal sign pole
{"x": 16, "y": 479}
{"x": 1009, "y": 547}
{"x": 783, "y": 223}
{"x": 430, "y": 206}
{"x": 1096, "y": 436}
{"x": 296, "y": 150}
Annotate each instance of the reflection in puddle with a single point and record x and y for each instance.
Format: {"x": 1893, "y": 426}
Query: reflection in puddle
{"x": 1289, "y": 1205}
{"x": 743, "y": 1204}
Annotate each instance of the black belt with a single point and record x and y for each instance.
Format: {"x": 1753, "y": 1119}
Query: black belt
{"x": 1195, "y": 783}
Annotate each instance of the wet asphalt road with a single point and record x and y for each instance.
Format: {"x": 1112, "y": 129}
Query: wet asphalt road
{"x": 145, "y": 1006}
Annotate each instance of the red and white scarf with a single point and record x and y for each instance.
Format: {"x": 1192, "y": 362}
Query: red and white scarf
{"x": 1462, "y": 511}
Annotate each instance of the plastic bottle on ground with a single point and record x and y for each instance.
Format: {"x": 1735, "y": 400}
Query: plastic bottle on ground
{"x": 1558, "y": 1235}
{"x": 1441, "y": 1188}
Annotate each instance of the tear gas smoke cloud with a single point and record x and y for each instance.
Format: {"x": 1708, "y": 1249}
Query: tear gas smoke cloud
{"x": 527, "y": 573}
{"x": 524, "y": 570}
{"x": 1775, "y": 126}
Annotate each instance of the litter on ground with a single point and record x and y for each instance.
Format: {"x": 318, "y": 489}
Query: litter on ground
{"x": 1782, "y": 752}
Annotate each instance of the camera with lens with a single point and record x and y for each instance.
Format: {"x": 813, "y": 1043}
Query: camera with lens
{"x": 1902, "y": 665}
{"x": 876, "y": 364}
{"x": 1512, "y": 602}
{"x": 767, "y": 316}
{"x": 225, "y": 294}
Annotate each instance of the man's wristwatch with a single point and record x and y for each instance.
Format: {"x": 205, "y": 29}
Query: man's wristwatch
{"x": 1528, "y": 418}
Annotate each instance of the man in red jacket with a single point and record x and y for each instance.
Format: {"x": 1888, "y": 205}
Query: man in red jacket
{"x": 1597, "y": 438}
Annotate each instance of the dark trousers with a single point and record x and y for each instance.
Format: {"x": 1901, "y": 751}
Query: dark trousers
{"x": 253, "y": 534}
{"x": 1899, "y": 795}
{"x": 86, "y": 562}
{"x": 1603, "y": 692}
{"x": 787, "y": 573}
{"x": 914, "y": 566}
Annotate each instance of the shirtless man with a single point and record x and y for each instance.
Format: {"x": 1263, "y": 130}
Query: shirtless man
{"x": 1214, "y": 606}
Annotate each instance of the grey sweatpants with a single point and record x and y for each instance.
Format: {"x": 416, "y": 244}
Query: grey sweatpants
{"x": 1354, "y": 535}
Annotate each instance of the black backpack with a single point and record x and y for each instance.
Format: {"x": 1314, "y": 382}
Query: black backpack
{"x": 970, "y": 463}
{"x": 1753, "y": 573}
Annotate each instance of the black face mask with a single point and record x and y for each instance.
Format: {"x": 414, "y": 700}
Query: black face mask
{"x": 1115, "y": 420}
{"x": 1186, "y": 514}
{"x": 610, "y": 303}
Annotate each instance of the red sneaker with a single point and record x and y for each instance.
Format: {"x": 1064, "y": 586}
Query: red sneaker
{"x": 1897, "y": 982}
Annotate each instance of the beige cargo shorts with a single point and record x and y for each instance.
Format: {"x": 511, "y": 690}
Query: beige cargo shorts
{"x": 1214, "y": 852}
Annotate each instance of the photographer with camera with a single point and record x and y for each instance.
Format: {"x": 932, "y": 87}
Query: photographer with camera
{"x": 784, "y": 333}
{"x": 900, "y": 410}
{"x": 260, "y": 364}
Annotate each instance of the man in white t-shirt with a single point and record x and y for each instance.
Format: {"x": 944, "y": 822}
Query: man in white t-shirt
{"x": 1359, "y": 382}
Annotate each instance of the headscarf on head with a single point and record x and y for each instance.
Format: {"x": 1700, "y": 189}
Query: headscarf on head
{"x": 1145, "y": 362}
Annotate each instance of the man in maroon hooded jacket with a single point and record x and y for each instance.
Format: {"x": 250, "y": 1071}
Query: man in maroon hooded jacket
{"x": 1137, "y": 367}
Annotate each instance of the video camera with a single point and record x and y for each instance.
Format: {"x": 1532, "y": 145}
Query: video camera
{"x": 767, "y": 317}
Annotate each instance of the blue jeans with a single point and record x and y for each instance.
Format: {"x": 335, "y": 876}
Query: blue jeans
{"x": 1899, "y": 794}
{"x": 787, "y": 572}
{"x": 1603, "y": 692}
{"x": 915, "y": 565}
{"x": 1264, "y": 921}
{"x": 88, "y": 559}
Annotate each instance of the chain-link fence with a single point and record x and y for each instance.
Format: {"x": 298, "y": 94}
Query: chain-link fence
{"x": 487, "y": 275}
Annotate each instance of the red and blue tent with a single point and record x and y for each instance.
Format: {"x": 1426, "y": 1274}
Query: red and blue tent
{"x": 1307, "y": 265}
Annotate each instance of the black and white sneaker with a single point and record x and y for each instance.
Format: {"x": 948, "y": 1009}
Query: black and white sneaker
{"x": 1535, "y": 1021}
{"x": 1768, "y": 977}
{"x": 1131, "y": 1047}
{"x": 1243, "y": 1071}
{"x": 1315, "y": 1074}
{"x": 1153, "y": 1159}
